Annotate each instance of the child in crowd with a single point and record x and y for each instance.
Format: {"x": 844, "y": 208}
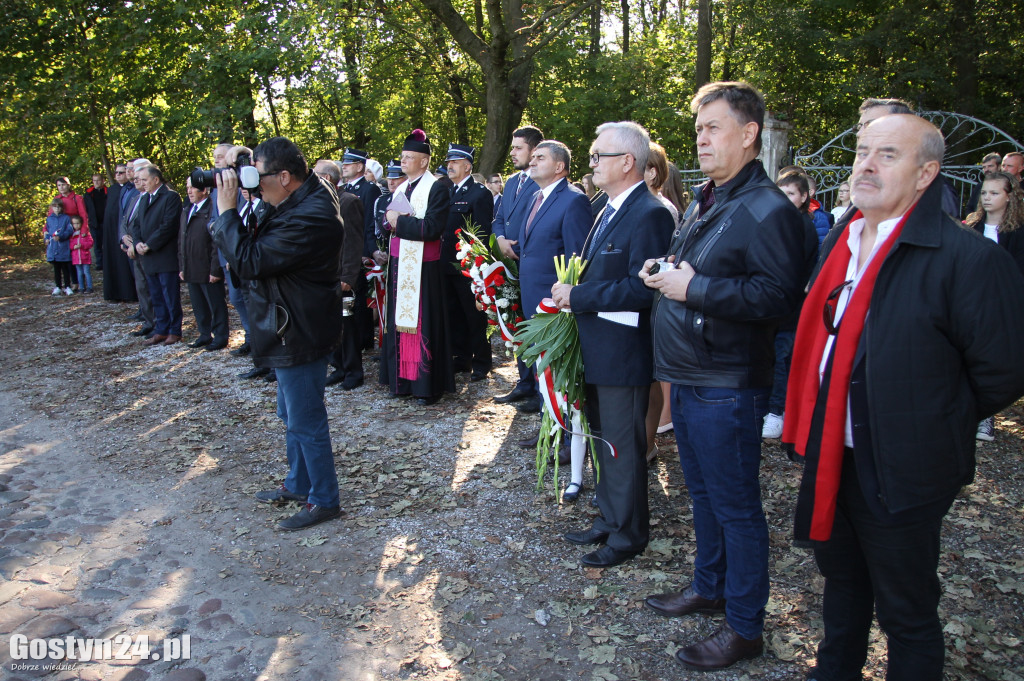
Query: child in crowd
{"x": 57, "y": 236}
{"x": 81, "y": 257}
{"x": 795, "y": 186}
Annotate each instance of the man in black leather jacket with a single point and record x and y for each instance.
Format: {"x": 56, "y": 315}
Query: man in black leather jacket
{"x": 740, "y": 267}
{"x": 291, "y": 269}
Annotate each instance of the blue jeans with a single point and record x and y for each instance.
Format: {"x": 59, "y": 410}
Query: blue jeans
{"x": 84, "y": 277}
{"x": 783, "y": 358}
{"x": 718, "y": 431}
{"x": 300, "y": 404}
{"x": 235, "y": 295}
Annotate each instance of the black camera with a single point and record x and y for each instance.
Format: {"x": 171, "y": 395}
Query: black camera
{"x": 248, "y": 179}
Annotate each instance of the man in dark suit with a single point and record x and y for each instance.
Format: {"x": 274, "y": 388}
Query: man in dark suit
{"x": 96, "y": 206}
{"x": 347, "y": 360}
{"x": 515, "y": 204}
{"x": 201, "y": 271}
{"x": 127, "y": 229}
{"x": 471, "y": 206}
{"x": 494, "y": 183}
{"x": 557, "y": 223}
{"x": 156, "y": 241}
{"x": 117, "y": 269}
{"x": 353, "y": 173}
{"x": 611, "y": 305}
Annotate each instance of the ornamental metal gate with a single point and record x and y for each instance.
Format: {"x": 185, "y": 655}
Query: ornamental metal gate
{"x": 968, "y": 139}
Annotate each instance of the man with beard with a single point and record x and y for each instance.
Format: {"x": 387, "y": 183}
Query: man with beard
{"x": 508, "y": 221}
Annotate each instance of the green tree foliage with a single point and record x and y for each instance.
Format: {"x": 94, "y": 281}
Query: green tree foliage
{"x": 84, "y": 84}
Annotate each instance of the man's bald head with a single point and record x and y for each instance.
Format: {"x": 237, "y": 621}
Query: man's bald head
{"x": 898, "y": 157}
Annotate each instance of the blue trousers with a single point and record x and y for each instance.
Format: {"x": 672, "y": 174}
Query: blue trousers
{"x": 300, "y": 404}
{"x": 235, "y": 295}
{"x": 166, "y": 297}
{"x": 718, "y": 431}
{"x": 84, "y": 277}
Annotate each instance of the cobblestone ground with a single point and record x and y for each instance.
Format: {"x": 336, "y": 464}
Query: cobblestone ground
{"x": 126, "y": 481}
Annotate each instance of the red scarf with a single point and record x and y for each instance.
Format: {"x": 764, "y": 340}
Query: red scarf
{"x": 816, "y": 503}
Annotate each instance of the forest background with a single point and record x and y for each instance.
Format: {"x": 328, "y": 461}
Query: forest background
{"x": 87, "y": 83}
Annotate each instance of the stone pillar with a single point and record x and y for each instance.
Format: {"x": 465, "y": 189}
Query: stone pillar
{"x": 774, "y": 144}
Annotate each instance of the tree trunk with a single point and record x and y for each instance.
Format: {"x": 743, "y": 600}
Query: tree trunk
{"x": 703, "y": 68}
{"x": 594, "y": 48}
{"x": 355, "y": 91}
{"x": 965, "y": 58}
{"x": 625, "y": 26}
{"x": 270, "y": 104}
{"x": 506, "y": 99}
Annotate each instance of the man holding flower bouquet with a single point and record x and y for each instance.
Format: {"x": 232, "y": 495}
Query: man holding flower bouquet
{"x": 557, "y": 223}
{"x": 611, "y": 306}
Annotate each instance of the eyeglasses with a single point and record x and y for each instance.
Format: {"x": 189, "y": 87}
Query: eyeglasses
{"x": 120, "y": 172}
{"x": 596, "y": 157}
{"x": 828, "y": 314}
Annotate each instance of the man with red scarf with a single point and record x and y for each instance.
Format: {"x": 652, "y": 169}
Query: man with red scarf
{"x": 909, "y": 336}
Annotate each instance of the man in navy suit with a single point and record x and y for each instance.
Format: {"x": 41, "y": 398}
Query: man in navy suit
{"x": 157, "y": 245}
{"x": 612, "y": 306}
{"x": 508, "y": 220}
{"x": 557, "y": 223}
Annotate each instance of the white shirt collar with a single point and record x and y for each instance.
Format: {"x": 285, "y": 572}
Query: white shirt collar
{"x": 462, "y": 184}
{"x": 617, "y": 202}
{"x": 551, "y": 187}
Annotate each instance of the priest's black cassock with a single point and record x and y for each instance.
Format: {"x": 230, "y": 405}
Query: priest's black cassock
{"x": 118, "y": 280}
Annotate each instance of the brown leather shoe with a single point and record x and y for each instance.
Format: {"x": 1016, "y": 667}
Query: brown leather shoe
{"x": 154, "y": 340}
{"x": 172, "y": 339}
{"x": 683, "y": 602}
{"x": 722, "y": 649}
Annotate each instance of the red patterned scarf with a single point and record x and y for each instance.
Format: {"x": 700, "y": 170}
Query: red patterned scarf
{"x": 816, "y": 503}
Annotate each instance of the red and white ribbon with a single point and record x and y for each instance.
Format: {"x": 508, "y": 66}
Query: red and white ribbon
{"x": 375, "y": 278}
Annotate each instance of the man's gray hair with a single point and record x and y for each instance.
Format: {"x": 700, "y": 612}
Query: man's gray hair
{"x": 633, "y": 140}
{"x": 330, "y": 168}
{"x": 140, "y": 163}
{"x": 559, "y": 152}
{"x": 933, "y": 145}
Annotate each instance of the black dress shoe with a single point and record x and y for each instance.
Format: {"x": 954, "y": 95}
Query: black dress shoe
{"x": 590, "y": 536}
{"x": 241, "y": 350}
{"x": 144, "y": 331}
{"x": 216, "y": 345}
{"x": 279, "y": 496}
{"x": 518, "y": 393}
{"x": 529, "y": 405}
{"x": 476, "y": 377}
{"x": 427, "y": 401}
{"x": 351, "y": 385}
{"x": 271, "y": 376}
{"x": 335, "y": 377}
{"x": 310, "y": 515}
{"x": 530, "y": 442}
{"x": 606, "y": 557}
{"x": 200, "y": 342}
{"x": 722, "y": 649}
{"x": 255, "y": 372}
{"x": 685, "y": 602}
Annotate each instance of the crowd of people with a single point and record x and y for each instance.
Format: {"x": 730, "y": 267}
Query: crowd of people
{"x": 872, "y": 339}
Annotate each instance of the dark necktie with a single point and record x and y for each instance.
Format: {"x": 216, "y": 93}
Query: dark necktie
{"x": 538, "y": 199}
{"x": 522, "y": 181}
{"x": 606, "y": 217}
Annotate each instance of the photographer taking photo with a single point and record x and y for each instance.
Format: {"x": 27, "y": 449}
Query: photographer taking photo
{"x": 290, "y": 267}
